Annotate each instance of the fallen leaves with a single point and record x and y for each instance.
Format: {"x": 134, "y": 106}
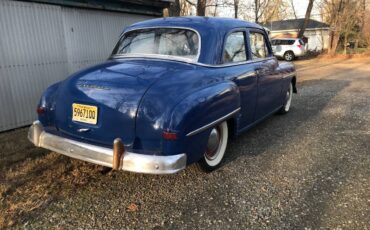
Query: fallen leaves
{"x": 132, "y": 207}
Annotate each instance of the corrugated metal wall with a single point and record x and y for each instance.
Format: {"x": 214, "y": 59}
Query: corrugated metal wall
{"x": 41, "y": 44}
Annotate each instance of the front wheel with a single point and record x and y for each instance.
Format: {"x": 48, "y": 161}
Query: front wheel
{"x": 216, "y": 147}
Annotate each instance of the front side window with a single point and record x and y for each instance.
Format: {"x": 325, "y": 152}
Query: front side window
{"x": 258, "y": 45}
{"x": 234, "y": 50}
{"x": 175, "y": 42}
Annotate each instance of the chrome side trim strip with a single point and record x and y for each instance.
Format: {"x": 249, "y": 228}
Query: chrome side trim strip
{"x": 212, "y": 123}
{"x": 246, "y": 75}
{"x": 289, "y": 75}
{"x": 133, "y": 162}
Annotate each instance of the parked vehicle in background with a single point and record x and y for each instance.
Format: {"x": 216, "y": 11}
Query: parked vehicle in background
{"x": 171, "y": 94}
{"x": 288, "y": 48}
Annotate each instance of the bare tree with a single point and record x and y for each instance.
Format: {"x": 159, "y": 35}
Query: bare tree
{"x": 236, "y": 8}
{"x": 201, "y": 7}
{"x": 186, "y": 8}
{"x": 293, "y": 8}
{"x": 363, "y": 14}
{"x": 344, "y": 18}
{"x": 174, "y": 9}
{"x": 306, "y": 19}
{"x": 268, "y": 10}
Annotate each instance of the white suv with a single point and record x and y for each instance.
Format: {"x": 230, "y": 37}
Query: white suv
{"x": 288, "y": 48}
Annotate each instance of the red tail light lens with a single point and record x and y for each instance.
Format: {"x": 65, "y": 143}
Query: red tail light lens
{"x": 299, "y": 46}
{"x": 169, "y": 136}
{"x": 40, "y": 110}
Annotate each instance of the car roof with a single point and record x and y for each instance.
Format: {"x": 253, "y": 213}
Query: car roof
{"x": 197, "y": 23}
{"x": 212, "y": 31}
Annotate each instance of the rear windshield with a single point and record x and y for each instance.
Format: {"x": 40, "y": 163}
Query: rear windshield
{"x": 277, "y": 42}
{"x": 182, "y": 43}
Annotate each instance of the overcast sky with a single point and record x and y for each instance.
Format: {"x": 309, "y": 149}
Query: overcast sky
{"x": 301, "y": 6}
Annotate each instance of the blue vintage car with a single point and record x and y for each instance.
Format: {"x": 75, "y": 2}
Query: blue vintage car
{"x": 171, "y": 94}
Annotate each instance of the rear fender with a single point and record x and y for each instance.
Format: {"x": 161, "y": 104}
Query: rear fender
{"x": 194, "y": 117}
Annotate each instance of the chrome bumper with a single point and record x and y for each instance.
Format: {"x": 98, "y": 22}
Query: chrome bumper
{"x": 132, "y": 162}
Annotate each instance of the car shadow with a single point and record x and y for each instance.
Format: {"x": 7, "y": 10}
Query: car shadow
{"x": 281, "y": 128}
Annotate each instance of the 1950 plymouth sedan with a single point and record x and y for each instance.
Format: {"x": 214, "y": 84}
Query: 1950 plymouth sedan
{"x": 171, "y": 94}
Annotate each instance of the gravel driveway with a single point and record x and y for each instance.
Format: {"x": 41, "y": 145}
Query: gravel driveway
{"x": 307, "y": 169}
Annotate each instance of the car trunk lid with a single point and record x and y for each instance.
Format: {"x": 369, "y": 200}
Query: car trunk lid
{"x": 113, "y": 90}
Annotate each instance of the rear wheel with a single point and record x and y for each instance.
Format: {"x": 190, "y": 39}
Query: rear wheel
{"x": 288, "y": 100}
{"x": 289, "y": 56}
{"x": 216, "y": 147}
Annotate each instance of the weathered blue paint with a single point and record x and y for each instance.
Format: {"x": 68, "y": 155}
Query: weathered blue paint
{"x": 139, "y": 98}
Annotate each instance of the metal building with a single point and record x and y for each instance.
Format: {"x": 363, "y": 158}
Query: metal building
{"x": 42, "y": 42}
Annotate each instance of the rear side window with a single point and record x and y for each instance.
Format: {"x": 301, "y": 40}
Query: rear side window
{"x": 258, "y": 45}
{"x": 234, "y": 50}
{"x": 301, "y": 42}
{"x": 290, "y": 42}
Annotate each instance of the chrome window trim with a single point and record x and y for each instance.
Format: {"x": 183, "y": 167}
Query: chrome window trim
{"x": 235, "y": 64}
{"x": 160, "y": 56}
{"x": 209, "y": 125}
{"x": 198, "y": 63}
{"x": 185, "y": 60}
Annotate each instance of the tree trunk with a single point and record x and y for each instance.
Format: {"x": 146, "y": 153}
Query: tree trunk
{"x": 334, "y": 43}
{"x": 293, "y": 8}
{"x": 256, "y": 10}
{"x": 174, "y": 10}
{"x": 236, "y": 8}
{"x": 306, "y": 19}
{"x": 345, "y": 43}
{"x": 201, "y": 8}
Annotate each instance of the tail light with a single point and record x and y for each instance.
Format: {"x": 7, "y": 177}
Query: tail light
{"x": 300, "y": 46}
{"x": 40, "y": 110}
{"x": 169, "y": 136}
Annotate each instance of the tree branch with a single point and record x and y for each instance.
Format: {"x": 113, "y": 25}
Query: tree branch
{"x": 191, "y": 3}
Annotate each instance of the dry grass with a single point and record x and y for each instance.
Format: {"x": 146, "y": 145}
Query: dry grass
{"x": 28, "y": 187}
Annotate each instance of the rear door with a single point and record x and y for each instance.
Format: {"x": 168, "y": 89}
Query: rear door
{"x": 268, "y": 79}
{"x": 235, "y": 57}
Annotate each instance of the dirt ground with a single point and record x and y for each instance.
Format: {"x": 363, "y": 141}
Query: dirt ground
{"x": 308, "y": 169}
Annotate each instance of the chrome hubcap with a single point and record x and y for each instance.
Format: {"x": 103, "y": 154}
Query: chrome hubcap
{"x": 213, "y": 144}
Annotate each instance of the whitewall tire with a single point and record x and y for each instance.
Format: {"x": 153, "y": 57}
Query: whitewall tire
{"x": 216, "y": 147}
{"x": 288, "y": 100}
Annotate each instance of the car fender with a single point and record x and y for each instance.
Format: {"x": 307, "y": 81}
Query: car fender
{"x": 195, "y": 115}
{"x": 47, "y": 101}
{"x": 204, "y": 106}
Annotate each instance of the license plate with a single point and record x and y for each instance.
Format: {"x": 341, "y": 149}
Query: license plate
{"x": 85, "y": 113}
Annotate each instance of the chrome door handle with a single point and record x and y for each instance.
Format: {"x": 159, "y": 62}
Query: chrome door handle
{"x": 258, "y": 71}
